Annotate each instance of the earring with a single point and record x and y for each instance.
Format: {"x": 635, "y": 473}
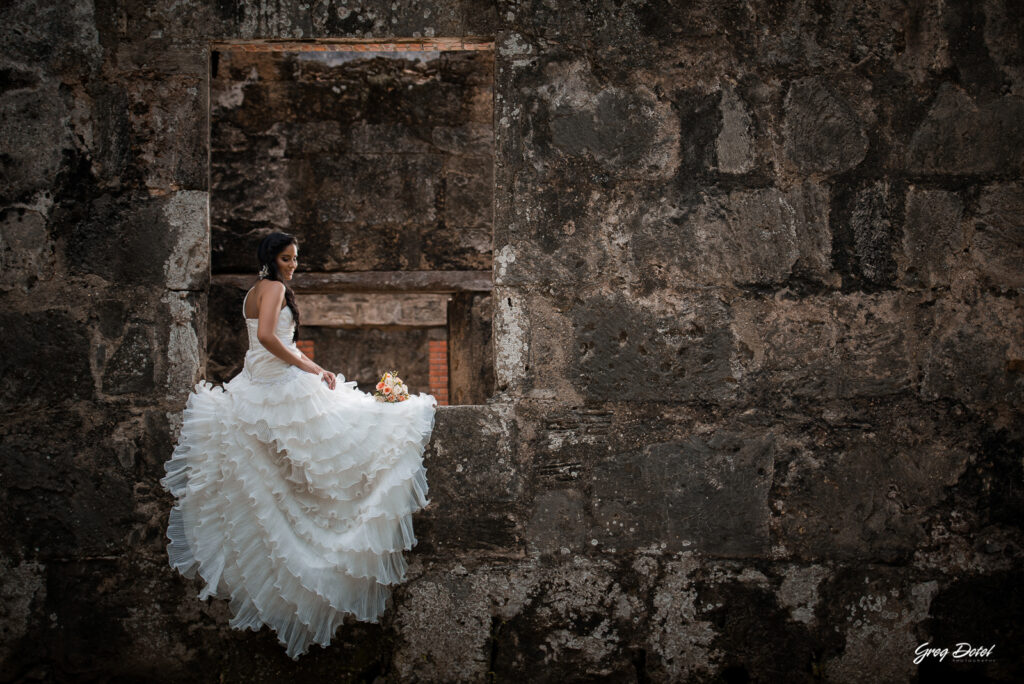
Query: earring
{"x": 264, "y": 271}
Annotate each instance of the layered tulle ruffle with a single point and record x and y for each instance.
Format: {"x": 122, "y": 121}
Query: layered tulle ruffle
{"x": 295, "y": 501}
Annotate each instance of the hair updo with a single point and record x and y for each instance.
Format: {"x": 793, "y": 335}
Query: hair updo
{"x": 267, "y": 252}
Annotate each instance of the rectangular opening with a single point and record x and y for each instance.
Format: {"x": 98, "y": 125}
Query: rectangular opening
{"x": 378, "y": 156}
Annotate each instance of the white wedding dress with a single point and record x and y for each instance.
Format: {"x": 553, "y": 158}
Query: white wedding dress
{"x": 295, "y": 501}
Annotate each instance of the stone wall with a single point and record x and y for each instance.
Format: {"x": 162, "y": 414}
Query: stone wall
{"x": 757, "y": 324}
{"x": 378, "y": 160}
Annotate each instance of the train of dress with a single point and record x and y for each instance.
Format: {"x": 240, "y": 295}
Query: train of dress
{"x": 295, "y": 501}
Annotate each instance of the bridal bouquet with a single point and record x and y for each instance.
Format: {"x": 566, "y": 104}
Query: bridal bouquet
{"x": 391, "y": 388}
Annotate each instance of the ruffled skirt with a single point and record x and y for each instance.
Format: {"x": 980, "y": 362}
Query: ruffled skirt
{"x": 295, "y": 501}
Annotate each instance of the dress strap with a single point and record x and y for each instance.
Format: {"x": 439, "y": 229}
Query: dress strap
{"x": 244, "y": 300}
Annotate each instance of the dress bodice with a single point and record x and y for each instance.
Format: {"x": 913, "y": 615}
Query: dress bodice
{"x": 285, "y": 327}
{"x": 260, "y": 364}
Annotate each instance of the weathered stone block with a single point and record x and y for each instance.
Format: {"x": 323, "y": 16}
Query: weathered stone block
{"x": 486, "y": 469}
{"x": 23, "y": 590}
{"x": 933, "y": 237}
{"x": 823, "y": 133}
{"x": 374, "y": 309}
{"x": 28, "y": 116}
{"x": 188, "y": 266}
{"x": 511, "y": 335}
{"x": 707, "y": 493}
{"x": 926, "y": 45}
{"x": 618, "y": 129}
{"x": 435, "y": 645}
{"x": 866, "y": 243}
{"x": 745, "y": 238}
{"x": 596, "y": 345}
{"x": 734, "y": 146}
{"x": 181, "y": 336}
{"x": 65, "y": 458}
{"x": 626, "y": 131}
{"x": 95, "y": 614}
{"x": 134, "y": 240}
{"x": 997, "y": 244}
{"x": 477, "y": 479}
{"x": 859, "y": 481}
{"x": 653, "y": 237}
{"x": 972, "y": 351}
{"x": 879, "y": 610}
{"x": 26, "y": 250}
{"x": 44, "y": 360}
{"x": 168, "y": 117}
{"x": 962, "y": 136}
{"x": 130, "y": 368}
{"x": 826, "y": 347}
{"x": 559, "y": 519}
{"x": 617, "y": 478}
{"x": 599, "y": 346}
{"x": 58, "y": 39}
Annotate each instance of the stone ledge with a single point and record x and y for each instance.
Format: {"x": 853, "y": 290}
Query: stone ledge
{"x": 374, "y": 281}
{"x": 357, "y": 45}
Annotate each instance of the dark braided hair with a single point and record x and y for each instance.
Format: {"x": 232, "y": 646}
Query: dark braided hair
{"x": 267, "y": 252}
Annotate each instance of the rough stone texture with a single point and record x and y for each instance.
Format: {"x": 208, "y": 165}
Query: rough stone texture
{"x": 757, "y": 326}
{"x": 998, "y": 242}
{"x": 378, "y": 161}
{"x": 934, "y": 239}
{"x": 376, "y": 309}
{"x": 822, "y": 132}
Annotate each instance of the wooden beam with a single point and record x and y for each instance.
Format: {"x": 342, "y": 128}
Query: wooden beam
{"x": 373, "y": 281}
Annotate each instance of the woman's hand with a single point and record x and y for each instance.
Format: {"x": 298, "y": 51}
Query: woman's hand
{"x": 328, "y": 377}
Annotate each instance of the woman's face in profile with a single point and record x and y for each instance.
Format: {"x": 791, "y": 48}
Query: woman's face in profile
{"x": 287, "y": 261}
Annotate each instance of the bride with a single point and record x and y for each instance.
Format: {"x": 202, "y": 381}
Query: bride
{"x": 294, "y": 492}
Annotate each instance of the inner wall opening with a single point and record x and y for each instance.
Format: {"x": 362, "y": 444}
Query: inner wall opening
{"x": 379, "y": 158}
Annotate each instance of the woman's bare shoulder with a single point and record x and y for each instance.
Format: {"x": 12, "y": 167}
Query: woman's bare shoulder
{"x": 269, "y": 286}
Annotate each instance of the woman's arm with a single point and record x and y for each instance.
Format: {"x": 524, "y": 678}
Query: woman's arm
{"x": 270, "y": 309}
{"x": 319, "y": 368}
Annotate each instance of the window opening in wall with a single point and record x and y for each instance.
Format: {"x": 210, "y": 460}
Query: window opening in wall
{"x": 379, "y": 157}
